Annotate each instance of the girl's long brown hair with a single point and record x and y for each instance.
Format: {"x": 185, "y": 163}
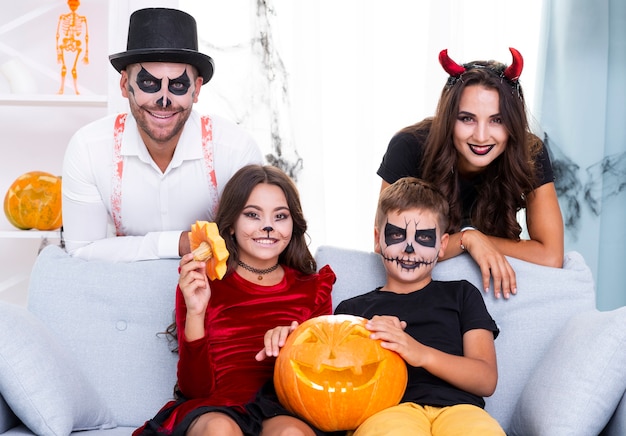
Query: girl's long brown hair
{"x": 232, "y": 202}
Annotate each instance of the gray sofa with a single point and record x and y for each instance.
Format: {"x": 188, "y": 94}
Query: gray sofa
{"x": 86, "y": 353}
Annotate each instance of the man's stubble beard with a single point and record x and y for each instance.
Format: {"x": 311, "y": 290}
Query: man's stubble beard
{"x": 141, "y": 116}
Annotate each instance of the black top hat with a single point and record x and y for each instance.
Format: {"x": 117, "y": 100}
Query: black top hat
{"x": 163, "y": 35}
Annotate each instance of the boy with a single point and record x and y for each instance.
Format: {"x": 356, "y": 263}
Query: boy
{"x": 441, "y": 329}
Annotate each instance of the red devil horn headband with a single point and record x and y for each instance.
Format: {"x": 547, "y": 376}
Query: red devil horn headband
{"x": 512, "y": 72}
{"x": 451, "y": 67}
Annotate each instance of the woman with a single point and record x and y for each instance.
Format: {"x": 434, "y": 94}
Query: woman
{"x": 479, "y": 151}
{"x": 224, "y": 388}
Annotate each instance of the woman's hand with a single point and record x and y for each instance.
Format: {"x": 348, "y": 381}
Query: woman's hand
{"x": 194, "y": 285}
{"x": 492, "y": 263}
{"x": 274, "y": 340}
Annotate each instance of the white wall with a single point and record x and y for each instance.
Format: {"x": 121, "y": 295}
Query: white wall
{"x": 36, "y": 122}
{"x": 357, "y": 71}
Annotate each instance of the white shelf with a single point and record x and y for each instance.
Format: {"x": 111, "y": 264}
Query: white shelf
{"x": 53, "y": 100}
{"x": 29, "y": 234}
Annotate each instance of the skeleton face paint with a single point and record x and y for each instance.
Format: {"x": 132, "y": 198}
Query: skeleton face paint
{"x": 150, "y": 84}
{"x": 396, "y": 235}
{"x": 161, "y": 96}
{"x": 410, "y": 241}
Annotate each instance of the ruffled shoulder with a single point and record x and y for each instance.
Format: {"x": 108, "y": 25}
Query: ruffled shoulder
{"x": 325, "y": 280}
{"x": 327, "y": 275}
{"x": 314, "y": 289}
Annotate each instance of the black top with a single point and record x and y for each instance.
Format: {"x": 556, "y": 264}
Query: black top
{"x": 405, "y": 154}
{"x": 437, "y": 316}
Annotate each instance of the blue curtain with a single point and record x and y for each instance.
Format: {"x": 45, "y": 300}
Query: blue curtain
{"x": 583, "y": 115}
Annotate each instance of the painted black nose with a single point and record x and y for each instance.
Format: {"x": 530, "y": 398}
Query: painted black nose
{"x": 409, "y": 248}
{"x": 164, "y": 103}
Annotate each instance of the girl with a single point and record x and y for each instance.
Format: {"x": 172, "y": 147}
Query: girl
{"x": 271, "y": 281}
{"x": 479, "y": 151}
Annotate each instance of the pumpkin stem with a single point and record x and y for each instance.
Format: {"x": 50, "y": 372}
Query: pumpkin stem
{"x": 203, "y": 252}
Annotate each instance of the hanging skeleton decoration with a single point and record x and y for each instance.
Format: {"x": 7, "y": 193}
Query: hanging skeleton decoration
{"x": 72, "y": 37}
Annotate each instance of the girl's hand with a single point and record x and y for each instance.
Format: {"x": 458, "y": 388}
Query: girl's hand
{"x": 493, "y": 264}
{"x": 274, "y": 340}
{"x": 194, "y": 285}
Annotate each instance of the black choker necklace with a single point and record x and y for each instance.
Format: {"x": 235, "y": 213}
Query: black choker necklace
{"x": 260, "y": 272}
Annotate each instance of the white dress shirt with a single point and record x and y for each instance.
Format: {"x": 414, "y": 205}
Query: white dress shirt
{"x": 156, "y": 206}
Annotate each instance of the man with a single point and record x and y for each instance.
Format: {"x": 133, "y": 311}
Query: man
{"x": 134, "y": 183}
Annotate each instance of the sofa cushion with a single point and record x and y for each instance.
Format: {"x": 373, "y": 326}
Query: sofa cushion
{"x": 617, "y": 423}
{"x": 7, "y": 417}
{"x": 585, "y": 368}
{"x": 109, "y": 316}
{"x": 41, "y": 381}
{"x": 546, "y": 299}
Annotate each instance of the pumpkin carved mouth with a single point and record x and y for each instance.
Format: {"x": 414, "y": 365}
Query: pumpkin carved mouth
{"x": 332, "y": 379}
{"x": 326, "y": 358}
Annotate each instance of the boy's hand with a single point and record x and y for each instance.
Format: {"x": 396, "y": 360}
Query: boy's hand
{"x": 274, "y": 340}
{"x": 380, "y": 321}
{"x": 390, "y": 331}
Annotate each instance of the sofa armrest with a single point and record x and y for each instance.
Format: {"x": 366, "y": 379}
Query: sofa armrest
{"x": 109, "y": 316}
{"x": 579, "y": 383}
{"x": 40, "y": 380}
{"x": 617, "y": 423}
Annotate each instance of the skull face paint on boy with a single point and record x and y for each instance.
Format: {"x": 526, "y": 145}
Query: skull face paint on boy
{"x": 161, "y": 96}
{"x": 410, "y": 241}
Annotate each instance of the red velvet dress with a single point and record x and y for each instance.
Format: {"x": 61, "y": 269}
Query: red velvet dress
{"x": 220, "y": 369}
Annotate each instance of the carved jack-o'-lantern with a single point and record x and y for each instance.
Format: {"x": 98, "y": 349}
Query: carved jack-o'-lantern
{"x": 33, "y": 201}
{"x": 333, "y": 375}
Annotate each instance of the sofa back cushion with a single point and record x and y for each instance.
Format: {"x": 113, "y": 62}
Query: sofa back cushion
{"x": 528, "y": 321}
{"x": 109, "y": 315}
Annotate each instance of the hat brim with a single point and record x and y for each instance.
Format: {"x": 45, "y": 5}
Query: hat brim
{"x": 202, "y": 62}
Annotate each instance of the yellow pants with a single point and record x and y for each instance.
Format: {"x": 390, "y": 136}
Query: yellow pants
{"x": 411, "y": 419}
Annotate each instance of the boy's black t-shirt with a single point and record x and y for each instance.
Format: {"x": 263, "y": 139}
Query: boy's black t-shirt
{"x": 437, "y": 315}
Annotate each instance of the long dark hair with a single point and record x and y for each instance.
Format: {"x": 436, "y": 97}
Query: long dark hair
{"x": 233, "y": 200}
{"x": 508, "y": 179}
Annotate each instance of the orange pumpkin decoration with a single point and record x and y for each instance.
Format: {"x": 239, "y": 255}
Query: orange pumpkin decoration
{"x": 207, "y": 245}
{"x": 333, "y": 375}
{"x": 33, "y": 201}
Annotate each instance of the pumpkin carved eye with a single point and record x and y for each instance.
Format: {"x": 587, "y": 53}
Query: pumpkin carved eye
{"x": 333, "y": 375}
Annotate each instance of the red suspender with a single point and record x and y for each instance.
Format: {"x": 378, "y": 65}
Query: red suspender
{"x": 118, "y": 168}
